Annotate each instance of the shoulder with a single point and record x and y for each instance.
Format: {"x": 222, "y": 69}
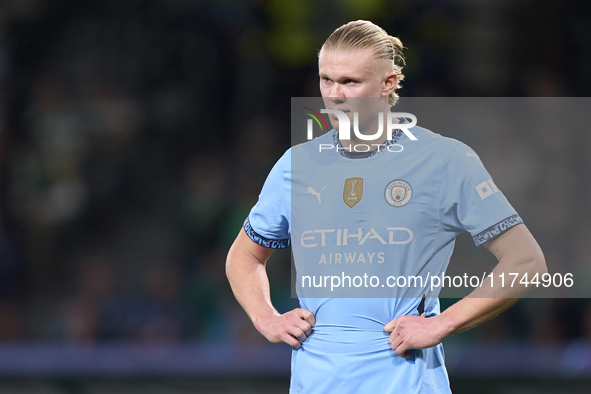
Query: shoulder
{"x": 316, "y": 151}
{"x": 435, "y": 146}
{"x": 313, "y": 145}
{"x": 431, "y": 137}
{"x": 300, "y": 153}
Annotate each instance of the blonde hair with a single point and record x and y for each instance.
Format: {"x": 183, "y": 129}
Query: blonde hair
{"x": 364, "y": 34}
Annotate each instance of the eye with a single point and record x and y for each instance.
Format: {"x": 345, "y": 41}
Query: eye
{"x": 350, "y": 81}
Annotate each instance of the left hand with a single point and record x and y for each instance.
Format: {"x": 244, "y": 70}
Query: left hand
{"x": 414, "y": 332}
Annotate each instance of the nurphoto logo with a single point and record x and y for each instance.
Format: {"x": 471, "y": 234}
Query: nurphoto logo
{"x": 345, "y": 124}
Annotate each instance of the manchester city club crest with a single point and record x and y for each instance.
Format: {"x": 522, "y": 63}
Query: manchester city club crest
{"x": 398, "y": 193}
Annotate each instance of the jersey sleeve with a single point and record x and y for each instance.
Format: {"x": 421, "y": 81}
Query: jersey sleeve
{"x": 470, "y": 200}
{"x": 268, "y": 221}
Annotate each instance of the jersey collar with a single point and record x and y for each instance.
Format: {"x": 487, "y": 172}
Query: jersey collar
{"x": 396, "y": 133}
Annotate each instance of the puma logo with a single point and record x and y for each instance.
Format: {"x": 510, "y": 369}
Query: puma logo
{"x": 468, "y": 154}
{"x": 317, "y": 194}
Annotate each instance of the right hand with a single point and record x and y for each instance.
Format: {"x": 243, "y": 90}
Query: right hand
{"x": 293, "y": 327}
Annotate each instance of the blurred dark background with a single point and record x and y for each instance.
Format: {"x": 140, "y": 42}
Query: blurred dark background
{"x": 136, "y": 135}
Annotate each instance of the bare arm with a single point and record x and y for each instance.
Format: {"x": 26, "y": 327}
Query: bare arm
{"x": 517, "y": 252}
{"x": 245, "y": 268}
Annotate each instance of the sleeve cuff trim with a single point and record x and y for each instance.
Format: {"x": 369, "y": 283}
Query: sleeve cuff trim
{"x": 263, "y": 241}
{"x": 496, "y": 229}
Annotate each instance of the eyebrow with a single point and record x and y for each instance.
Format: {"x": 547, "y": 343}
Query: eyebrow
{"x": 342, "y": 78}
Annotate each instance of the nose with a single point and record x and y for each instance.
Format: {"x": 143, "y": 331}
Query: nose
{"x": 337, "y": 94}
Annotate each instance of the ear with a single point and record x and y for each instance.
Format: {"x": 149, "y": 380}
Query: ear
{"x": 389, "y": 83}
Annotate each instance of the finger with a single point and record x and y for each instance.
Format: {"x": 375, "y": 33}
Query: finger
{"x": 299, "y": 334}
{"x": 298, "y": 322}
{"x": 396, "y": 342}
{"x": 305, "y": 327}
{"x": 307, "y": 316}
{"x": 390, "y": 326}
{"x": 291, "y": 341}
{"x": 399, "y": 324}
{"x": 296, "y": 332}
{"x": 401, "y": 350}
{"x": 392, "y": 338}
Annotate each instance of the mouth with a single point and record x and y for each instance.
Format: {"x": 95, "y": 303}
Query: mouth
{"x": 334, "y": 116}
{"x": 340, "y": 109}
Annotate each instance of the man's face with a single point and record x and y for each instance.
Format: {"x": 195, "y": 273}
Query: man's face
{"x": 345, "y": 75}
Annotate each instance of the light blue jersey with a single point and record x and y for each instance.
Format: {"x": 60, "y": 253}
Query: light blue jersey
{"x": 384, "y": 214}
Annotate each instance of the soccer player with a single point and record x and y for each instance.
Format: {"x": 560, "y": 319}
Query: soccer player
{"x": 401, "y": 211}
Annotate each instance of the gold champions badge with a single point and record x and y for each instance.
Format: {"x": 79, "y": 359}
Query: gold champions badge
{"x": 353, "y": 191}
